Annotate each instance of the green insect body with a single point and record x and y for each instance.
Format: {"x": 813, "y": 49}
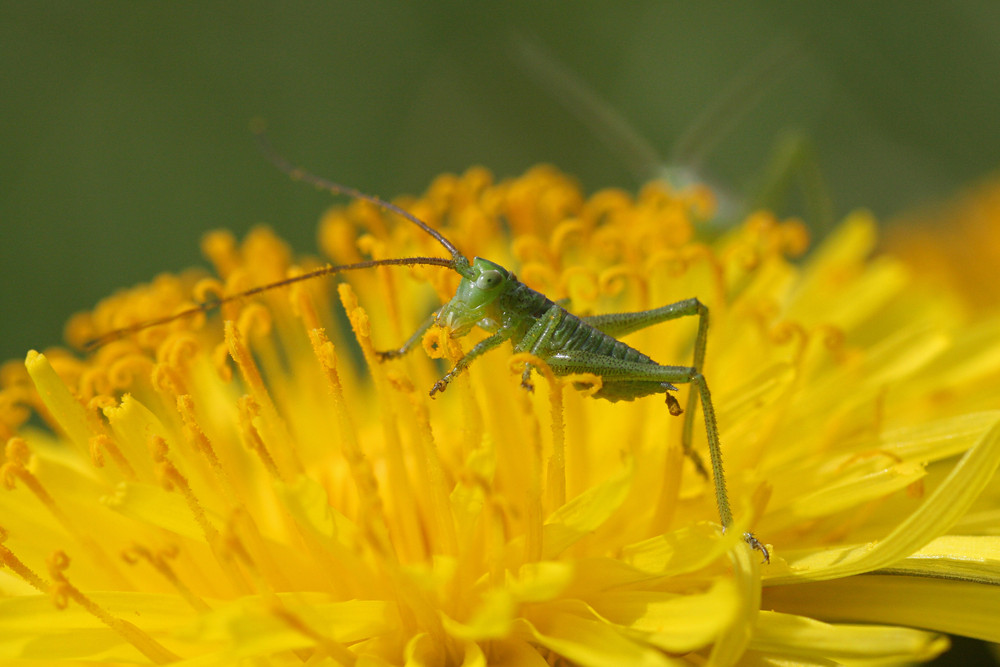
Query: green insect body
{"x": 492, "y": 298}
{"x": 536, "y": 324}
{"x": 497, "y": 302}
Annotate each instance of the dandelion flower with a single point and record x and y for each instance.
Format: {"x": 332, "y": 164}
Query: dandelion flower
{"x": 259, "y": 487}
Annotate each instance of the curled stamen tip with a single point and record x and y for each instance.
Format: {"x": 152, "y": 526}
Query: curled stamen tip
{"x": 435, "y": 342}
{"x": 57, "y": 562}
{"x": 9, "y": 473}
{"x": 101, "y": 401}
{"x": 60, "y": 595}
{"x": 131, "y": 554}
{"x": 16, "y": 450}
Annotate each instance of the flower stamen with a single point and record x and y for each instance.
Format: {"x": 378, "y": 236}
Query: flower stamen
{"x": 249, "y": 411}
{"x": 271, "y": 426}
{"x": 158, "y": 560}
{"x": 62, "y": 591}
{"x": 99, "y": 444}
{"x": 372, "y": 512}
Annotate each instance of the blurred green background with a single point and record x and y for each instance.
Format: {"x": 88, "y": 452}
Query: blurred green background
{"x": 123, "y": 125}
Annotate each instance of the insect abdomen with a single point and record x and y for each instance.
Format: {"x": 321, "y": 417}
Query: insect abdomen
{"x": 572, "y": 333}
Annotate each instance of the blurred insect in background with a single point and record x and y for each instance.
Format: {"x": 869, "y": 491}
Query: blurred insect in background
{"x": 792, "y": 165}
{"x": 492, "y": 298}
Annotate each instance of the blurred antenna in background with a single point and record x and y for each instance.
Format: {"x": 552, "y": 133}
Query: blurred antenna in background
{"x": 794, "y": 160}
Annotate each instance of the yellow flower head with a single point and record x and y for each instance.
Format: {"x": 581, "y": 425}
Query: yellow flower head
{"x": 267, "y": 489}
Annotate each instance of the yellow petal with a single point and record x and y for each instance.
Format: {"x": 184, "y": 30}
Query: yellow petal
{"x": 956, "y": 607}
{"x": 675, "y": 623}
{"x": 973, "y": 558}
{"x": 585, "y": 513}
{"x": 684, "y": 550}
{"x": 593, "y": 643}
{"x": 936, "y": 514}
{"x": 491, "y": 619}
{"x": 515, "y": 653}
{"x": 546, "y": 580}
{"x": 786, "y": 634}
{"x": 251, "y": 626}
{"x": 61, "y": 403}
{"x": 34, "y": 628}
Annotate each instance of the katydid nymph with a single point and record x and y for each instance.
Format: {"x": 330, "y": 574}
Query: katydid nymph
{"x": 491, "y": 297}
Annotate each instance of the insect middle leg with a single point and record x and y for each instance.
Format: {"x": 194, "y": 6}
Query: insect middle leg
{"x": 411, "y": 342}
{"x": 620, "y": 324}
{"x": 484, "y": 345}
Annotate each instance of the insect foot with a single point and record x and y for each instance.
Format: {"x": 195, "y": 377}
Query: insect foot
{"x": 757, "y": 545}
{"x": 440, "y": 385}
{"x": 386, "y": 355}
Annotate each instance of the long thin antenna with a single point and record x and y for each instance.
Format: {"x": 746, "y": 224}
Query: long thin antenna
{"x": 581, "y": 100}
{"x": 212, "y": 304}
{"x": 690, "y": 149}
{"x": 734, "y": 102}
{"x": 458, "y": 261}
{"x": 300, "y": 174}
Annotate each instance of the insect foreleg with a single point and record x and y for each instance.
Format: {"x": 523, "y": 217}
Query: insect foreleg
{"x": 411, "y": 342}
{"x": 479, "y": 348}
{"x": 620, "y": 324}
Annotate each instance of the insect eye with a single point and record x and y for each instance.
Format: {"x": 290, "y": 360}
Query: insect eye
{"x": 489, "y": 279}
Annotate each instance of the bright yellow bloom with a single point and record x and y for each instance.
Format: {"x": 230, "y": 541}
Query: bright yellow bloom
{"x": 261, "y": 490}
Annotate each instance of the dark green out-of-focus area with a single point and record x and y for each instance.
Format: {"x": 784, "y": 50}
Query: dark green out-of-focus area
{"x": 123, "y": 125}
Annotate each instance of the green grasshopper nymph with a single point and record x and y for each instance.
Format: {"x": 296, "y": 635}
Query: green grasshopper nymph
{"x": 492, "y": 298}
